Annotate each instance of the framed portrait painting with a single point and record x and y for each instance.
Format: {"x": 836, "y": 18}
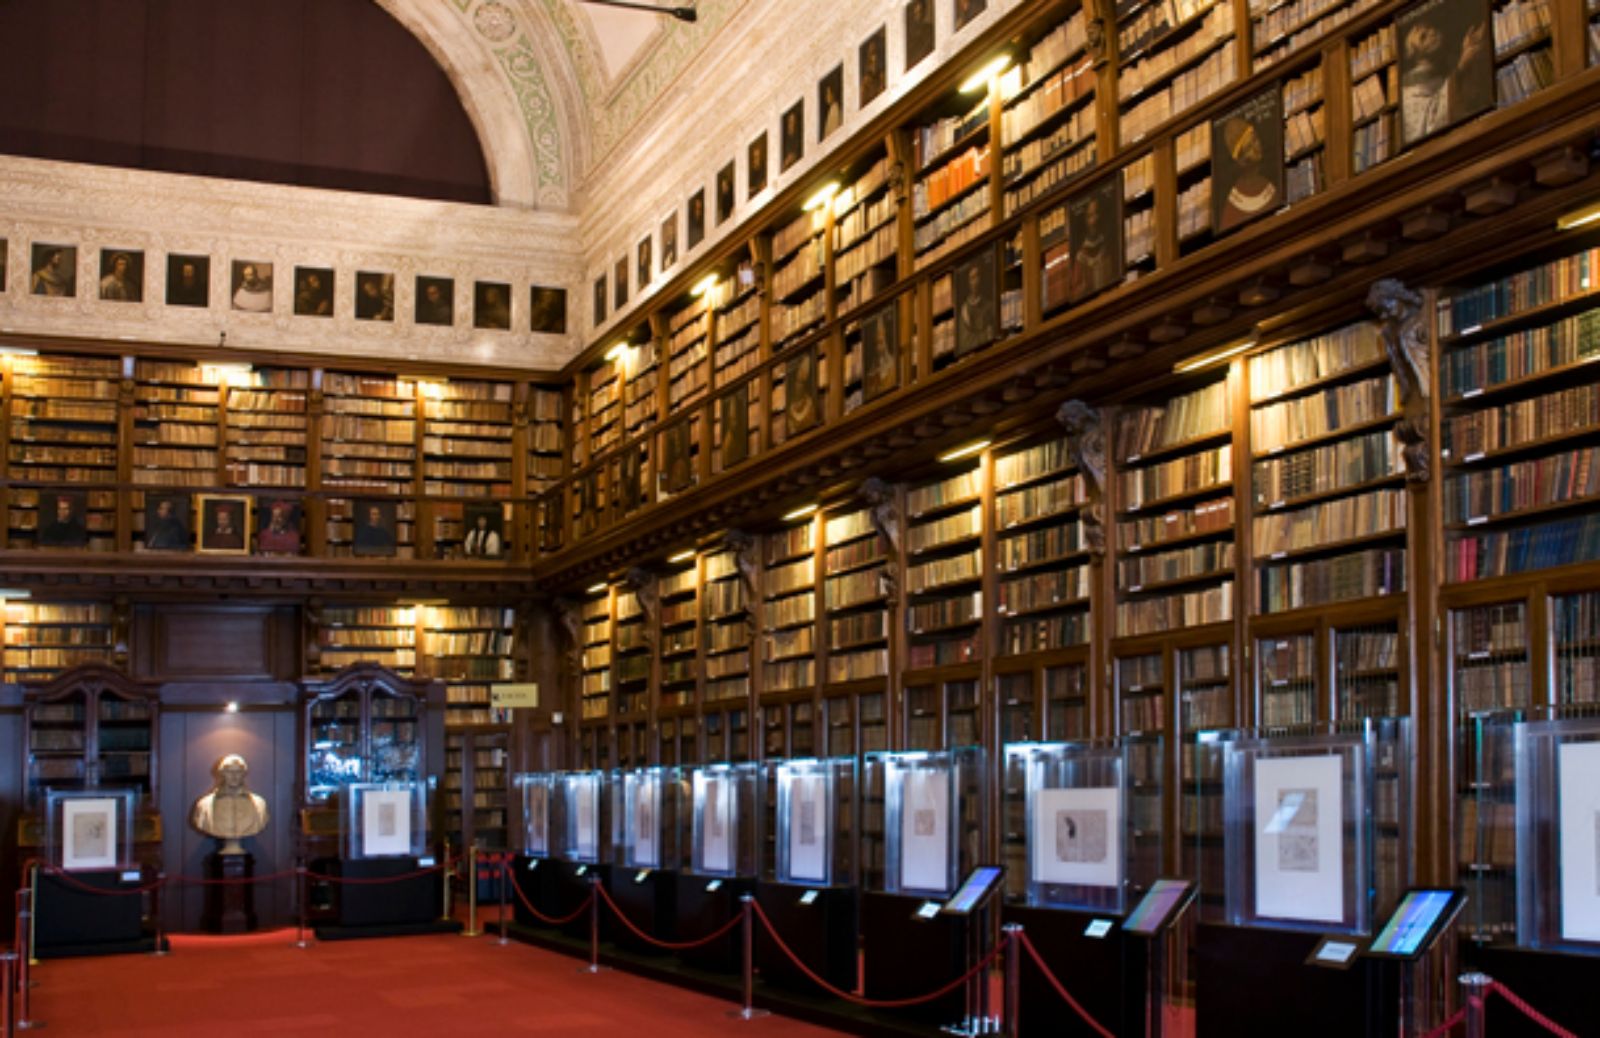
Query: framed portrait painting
{"x": 630, "y": 479}
{"x": 64, "y": 519}
{"x": 669, "y": 242}
{"x": 1094, "y": 239}
{"x": 733, "y": 426}
{"x": 547, "y": 310}
{"x": 224, "y": 523}
{"x": 725, "y": 193}
{"x": 619, "y": 284}
{"x": 436, "y": 301}
{"x": 375, "y": 525}
{"x": 800, "y": 404}
{"x": 1247, "y": 161}
{"x": 55, "y": 271}
{"x": 792, "y": 137}
{"x": 1446, "y": 65}
{"x": 880, "y": 352}
{"x": 188, "y": 280}
{"x": 600, "y": 300}
{"x": 313, "y": 291}
{"x": 278, "y": 532}
{"x": 694, "y": 219}
{"x": 374, "y": 296}
{"x": 830, "y": 103}
{"x": 872, "y": 63}
{"x": 977, "y": 308}
{"x": 644, "y": 262}
{"x": 677, "y": 473}
{"x": 484, "y": 536}
{"x": 491, "y": 306}
{"x": 250, "y": 287}
{"x": 167, "y": 522}
{"x": 121, "y": 275}
{"x": 919, "y": 32}
{"x": 755, "y": 169}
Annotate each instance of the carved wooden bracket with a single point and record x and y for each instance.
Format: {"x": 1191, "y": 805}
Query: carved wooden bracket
{"x": 646, "y": 587}
{"x": 743, "y": 546}
{"x": 879, "y": 498}
{"x": 1400, "y": 322}
{"x": 1086, "y": 440}
{"x": 571, "y": 619}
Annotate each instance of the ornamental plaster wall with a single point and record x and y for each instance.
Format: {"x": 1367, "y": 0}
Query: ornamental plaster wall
{"x": 95, "y": 207}
{"x": 768, "y": 55}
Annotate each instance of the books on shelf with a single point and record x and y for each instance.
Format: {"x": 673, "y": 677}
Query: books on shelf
{"x": 1361, "y": 574}
{"x": 1329, "y": 522}
{"x": 1191, "y": 416}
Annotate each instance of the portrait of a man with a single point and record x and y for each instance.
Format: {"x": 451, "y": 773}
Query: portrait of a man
{"x": 755, "y": 169}
{"x": 725, "y": 194}
{"x": 166, "y": 522}
{"x": 547, "y": 310}
{"x": 880, "y": 352}
{"x": 694, "y": 219}
{"x": 1446, "y": 65}
{"x": 374, "y": 296}
{"x": 491, "y": 305}
{"x": 677, "y": 473}
{"x": 600, "y": 300}
{"x": 223, "y": 522}
{"x": 792, "y": 139}
{"x": 619, "y": 284}
{"x": 55, "y": 271}
{"x": 872, "y": 67}
{"x": 669, "y": 242}
{"x": 966, "y": 10}
{"x": 252, "y": 286}
{"x": 800, "y": 405}
{"x": 919, "y": 32}
{"x": 279, "y": 533}
{"x": 313, "y": 291}
{"x": 436, "y": 301}
{"x": 643, "y": 253}
{"x": 830, "y": 103}
{"x": 977, "y": 309}
{"x": 733, "y": 426}
{"x": 121, "y": 275}
{"x": 1094, "y": 238}
{"x": 485, "y": 532}
{"x": 1247, "y": 161}
{"x": 189, "y": 281}
{"x": 63, "y": 519}
{"x": 374, "y": 525}
{"x": 630, "y": 485}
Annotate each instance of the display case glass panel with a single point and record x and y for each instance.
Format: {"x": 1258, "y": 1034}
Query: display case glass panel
{"x": 649, "y": 817}
{"x": 926, "y": 819}
{"x": 89, "y": 829}
{"x": 386, "y": 820}
{"x": 813, "y": 820}
{"x": 723, "y": 827}
{"x": 578, "y": 815}
{"x": 538, "y": 793}
{"x": 1558, "y": 834}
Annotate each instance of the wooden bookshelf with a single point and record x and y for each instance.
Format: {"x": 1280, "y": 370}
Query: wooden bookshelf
{"x": 790, "y": 649}
{"x": 944, "y": 569}
{"x": 265, "y": 442}
{"x": 43, "y": 639}
{"x": 379, "y": 634}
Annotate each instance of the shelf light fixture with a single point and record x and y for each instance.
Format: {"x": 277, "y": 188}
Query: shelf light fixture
{"x": 1589, "y": 214}
{"x": 823, "y": 196}
{"x": 682, "y": 556}
{"x": 617, "y": 350}
{"x": 12, "y": 594}
{"x": 1215, "y": 357}
{"x": 979, "y": 80}
{"x": 704, "y": 285}
{"x": 800, "y": 513}
{"x": 595, "y": 589}
{"x": 16, "y": 351}
{"x": 964, "y": 451}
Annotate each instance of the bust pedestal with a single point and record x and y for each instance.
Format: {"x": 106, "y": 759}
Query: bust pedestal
{"x": 230, "y": 906}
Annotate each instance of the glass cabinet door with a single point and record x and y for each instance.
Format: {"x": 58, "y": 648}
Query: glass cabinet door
{"x": 1018, "y": 720}
{"x": 396, "y": 748}
{"x": 1575, "y": 630}
{"x": 334, "y": 744}
{"x": 1066, "y": 701}
{"x": 1489, "y": 657}
{"x": 1288, "y": 679}
{"x": 1366, "y": 671}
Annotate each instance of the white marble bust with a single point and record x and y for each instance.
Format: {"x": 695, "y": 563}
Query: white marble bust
{"x": 230, "y": 812}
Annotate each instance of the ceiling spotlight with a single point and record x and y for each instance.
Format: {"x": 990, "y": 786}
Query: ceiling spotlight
{"x": 683, "y": 14}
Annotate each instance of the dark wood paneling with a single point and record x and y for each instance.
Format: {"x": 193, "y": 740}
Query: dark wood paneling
{"x": 190, "y": 642}
{"x": 11, "y": 765}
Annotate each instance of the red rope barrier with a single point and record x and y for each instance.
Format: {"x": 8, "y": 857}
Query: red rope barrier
{"x": 1038, "y": 960}
{"x": 547, "y": 920}
{"x": 1456, "y": 1020}
{"x": 874, "y": 1003}
{"x": 1530, "y": 1012}
{"x": 71, "y": 881}
{"x": 616, "y": 910}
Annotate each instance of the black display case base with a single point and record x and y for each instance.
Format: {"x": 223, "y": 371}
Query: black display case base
{"x": 905, "y": 955}
{"x": 1557, "y": 985}
{"x": 818, "y": 924}
{"x": 531, "y": 876}
{"x": 70, "y": 920}
{"x": 705, "y": 905}
{"x": 1249, "y": 975}
{"x": 1105, "y": 974}
{"x": 383, "y": 897}
{"x": 569, "y": 888}
{"x": 646, "y": 898}
{"x": 230, "y": 904}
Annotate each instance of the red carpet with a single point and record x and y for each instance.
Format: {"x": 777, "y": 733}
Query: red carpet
{"x": 398, "y": 986}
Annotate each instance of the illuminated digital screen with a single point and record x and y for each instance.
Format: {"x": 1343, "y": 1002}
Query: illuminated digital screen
{"x": 927, "y": 910}
{"x": 714, "y": 886}
{"x": 971, "y": 893}
{"x": 1421, "y": 914}
{"x": 809, "y": 897}
{"x": 1097, "y": 928}
{"x": 1156, "y": 908}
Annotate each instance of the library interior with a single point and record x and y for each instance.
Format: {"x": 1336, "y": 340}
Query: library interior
{"x": 1020, "y": 516}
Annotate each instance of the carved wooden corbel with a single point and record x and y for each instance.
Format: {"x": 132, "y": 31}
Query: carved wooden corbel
{"x": 743, "y": 546}
{"x": 879, "y": 498}
{"x": 646, "y": 587}
{"x": 1087, "y": 441}
{"x": 570, "y": 616}
{"x": 1400, "y": 324}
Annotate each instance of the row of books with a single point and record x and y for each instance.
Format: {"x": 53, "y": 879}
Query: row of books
{"x": 723, "y": 597}
{"x": 858, "y": 666}
{"x": 1364, "y": 574}
{"x": 66, "y": 389}
{"x": 933, "y": 139}
{"x": 791, "y": 577}
{"x": 1150, "y": 23}
{"x": 1135, "y": 77}
{"x": 1185, "y": 90}
{"x": 1466, "y": 436}
{"x": 1524, "y": 76}
{"x": 941, "y": 229}
{"x": 1032, "y": 634}
{"x": 64, "y": 409}
{"x": 937, "y": 533}
{"x": 1476, "y": 556}
{"x": 943, "y": 652}
{"x": 1039, "y": 501}
{"x": 1039, "y": 546}
{"x": 1320, "y": 414}
{"x": 1206, "y": 708}
{"x": 795, "y": 641}
{"x": 1064, "y": 88}
{"x": 796, "y": 609}
{"x": 1522, "y": 485}
{"x": 1172, "y": 612}
{"x": 368, "y": 430}
{"x": 857, "y": 629}
{"x": 1205, "y": 517}
{"x": 945, "y": 612}
{"x": 1491, "y": 684}
{"x": 944, "y": 572}
{"x": 1569, "y": 277}
{"x": 1043, "y": 590}
{"x": 1288, "y": 367}
{"x": 1184, "y": 475}
{"x": 1146, "y": 713}
{"x": 1319, "y": 470}
{"x": 1329, "y": 522}
{"x": 1373, "y": 143}
{"x": 1191, "y": 416}
{"x": 1470, "y": 369}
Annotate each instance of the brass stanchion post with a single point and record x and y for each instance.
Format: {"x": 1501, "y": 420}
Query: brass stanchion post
{"x": 748, "y": 1011}
{"x": 1011, "y": 1005}
{"x": 505, "y": 867}
{"x": 155, "y": 910}
{"x": 472, "y": 894}
{"x": 305, "y": 896}
{"x": 1474, "y": 987}
{"x": 446, "y": 874}
{"x": 594, "y": 927}
{"x": 8, "y": 973}
{"x": 33, "y": 926}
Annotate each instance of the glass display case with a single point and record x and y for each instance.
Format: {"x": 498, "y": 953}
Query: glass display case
{"x": 1069, "y": 810}
{"x": 536, "y": 792}
{"x": 366, "y": 724}
{"x": 577, "y": 816}
{"x": 922, "y": 819}
{"x": 1557, "y": 850}
{"x": 386, "y": 820}
{"x": 813, "y": 820}
{"x": 91, "y": 829}
{"x": 723, "y": 821}
{"x": 648, "y": 819}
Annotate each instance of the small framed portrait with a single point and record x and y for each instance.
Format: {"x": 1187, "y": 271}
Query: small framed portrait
{"x": 64, "y": 519}
{"x": 600, "y": 300}
{"x": 733, "y": 425}
{"x": 224, "y": 522}
{"x": 374, "y": 524}
{"x": 919, "y": 32}
{"x": 630, "y": 482}
{"x": 1247, "y": 161}
{"x": 484, "y": 536}
{"x": 250, "y": 287}
{"x": 188, "y": 280}
{"x": 167, "y": 522}
{"x": 880, "y": 352}
{"x": 436, "y": 301}
{"x": 278, "y": 531}
{"x": 1094, "y": 239}
{"x": 725, "y": 188}
{"x": 1446, "y": 65}
{"x": 755, "y": 169}
{"x": 547, "y": 310}
{"x": 669, "y": 242}
{"x": 830, "y": 103}
{"x": 677, "y": 473}
{"x": 801, "y": 410}
{"x": 55, "y": 271}
{"x": 121, "y": 275}
{"x": 374, "y": 296}
{"x": 5, "y": 247}
{"x": 694, "y": 219}
{"x": 619, "y": 284}
{"x": 313, "y": 291}
{"x": 491, "y": 305}
{"x": 550, "y": 528}
{"x": 792, "y": 139}
{"x": 872, "y": 65}
{"x": 643, "y": 253}
{"x": 977, "y": 305}
{"x": 589, "y": 501}
{"x": 966, "y": 10}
